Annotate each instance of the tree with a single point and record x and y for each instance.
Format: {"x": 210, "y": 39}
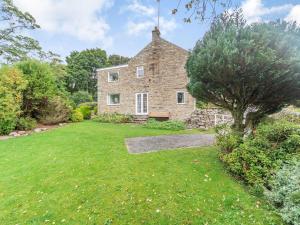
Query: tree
{"x": 251, "y": 70}
{"x": 201, "y": 9}
{"x": 41, "y": 86}
{"x": 116, "y": 60}
{"x": 81, "y": 69}
{"x": 14, "y": 46}
{"x": 12, "y": 84}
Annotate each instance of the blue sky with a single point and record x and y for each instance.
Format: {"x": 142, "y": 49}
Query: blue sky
{"x": 124, "y": 26}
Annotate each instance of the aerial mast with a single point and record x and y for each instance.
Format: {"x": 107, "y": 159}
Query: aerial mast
{"x": 158, "y": 12}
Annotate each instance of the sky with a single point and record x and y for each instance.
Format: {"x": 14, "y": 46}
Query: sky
{"x": 124, "y": 26}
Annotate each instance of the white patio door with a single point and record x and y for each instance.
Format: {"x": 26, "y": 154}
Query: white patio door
{"x": 141, "y": 103}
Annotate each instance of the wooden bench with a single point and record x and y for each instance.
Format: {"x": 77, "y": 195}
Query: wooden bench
{"x": 159, "y": 115}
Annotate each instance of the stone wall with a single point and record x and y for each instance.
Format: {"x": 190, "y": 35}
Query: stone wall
{"x": 164, "y": 76}
{"x": 208, "y": 118}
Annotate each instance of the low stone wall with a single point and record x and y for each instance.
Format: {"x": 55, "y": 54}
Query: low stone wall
{"x": 208, "y": 118}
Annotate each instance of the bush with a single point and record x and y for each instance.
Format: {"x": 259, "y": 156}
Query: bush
{"x": 41, "y": 86}
{"x": 285, "y": 192}
{"x": 86, "y": 111}
{"x": 57, "y": 110}
{"x": 26, "y": 123}
{"x": 261, "y": 155}
{"x": 76, "y": 116}
{"x": 165, "y": 125}
{"x": 12, "y": 84}
{"x": 81, "y": 97}
{"x": 226, "y": 138}
{"x": 113, "y": 118}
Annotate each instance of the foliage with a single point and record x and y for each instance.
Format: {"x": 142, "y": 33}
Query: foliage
{"x": 227, "y": 140}
{"x": 285, "y": 192}
{"x": 92, "y": 105}
{"x": 86, "y": 111}
{"x": 246, "y": 68}
{"x": 76, "y": 116}
{"x": 81, "y": 97}
{"x": 165, "y": 125}
{"x": 201, "y": 9}
{"x": 261, "y": 155}
{"x": 12, "y": 84}
{"x": 41, "y": 86}
{"x": 84, "y": 167}
{"x": 113, "y": 118}
{"x": 116, "y": 60}
{"x": 14, "y": 45}
{"x": 81, "y": 68}
{"x": 56, "y": 110}
{"x": 26, "y": 123}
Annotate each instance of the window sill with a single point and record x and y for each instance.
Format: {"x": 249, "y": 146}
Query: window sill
{"x": 113, "y": 104}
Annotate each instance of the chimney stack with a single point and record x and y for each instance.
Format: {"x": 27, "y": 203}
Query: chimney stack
{"x": 155, "y": 34}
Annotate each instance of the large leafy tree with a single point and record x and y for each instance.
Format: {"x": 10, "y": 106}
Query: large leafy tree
{"x": 82, "y": 66}
{"x": 251, "y": 70}
{"x": 81, "y": 69}
{"x": 14, "y": 45}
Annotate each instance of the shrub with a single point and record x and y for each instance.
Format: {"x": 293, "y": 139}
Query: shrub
{"x": 261, "y": 155}
{"x": 76, "y": 116}
{"x": 81, "y": 97}
{"x": 226, "y": 138}
{"x": 57, "y": 110}
{"x": 285, "y": 192}
{"x": 41, "y": 86}
{"x": 86, "y": 111}
{"x": 165, "y": 125}
{"x": 26, "y": 123}
{"x": 113, "y": 118}
{"x": 12, "y": 84}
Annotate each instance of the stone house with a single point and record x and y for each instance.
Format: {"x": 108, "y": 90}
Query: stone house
{"x": 152, "y": 84}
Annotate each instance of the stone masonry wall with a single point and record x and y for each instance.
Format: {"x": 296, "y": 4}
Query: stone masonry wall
{"x": 208, "y": 118}
{"x": 164, "y": 76}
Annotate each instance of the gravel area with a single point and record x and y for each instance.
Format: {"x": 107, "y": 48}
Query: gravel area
{"x": 168, "y": 142}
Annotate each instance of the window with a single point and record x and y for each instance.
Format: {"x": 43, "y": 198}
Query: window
{"x": 180, "y": 97}
{"x": 113, "y": 76}
{"x": 113, "y": 99}
{"x": 139, "y": 71}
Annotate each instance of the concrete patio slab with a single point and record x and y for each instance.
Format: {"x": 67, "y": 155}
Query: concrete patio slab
{"x": 168, "y": 142}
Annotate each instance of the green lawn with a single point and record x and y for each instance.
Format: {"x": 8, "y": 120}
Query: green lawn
{"x": 82, "y": 174}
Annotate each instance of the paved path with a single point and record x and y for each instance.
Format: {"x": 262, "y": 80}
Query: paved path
{"x": 168, "y": 142}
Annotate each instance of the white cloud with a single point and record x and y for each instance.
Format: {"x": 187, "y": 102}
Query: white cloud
{"x": 137, "y": 7}
{"x": 294, "y": 14}
{"x": 254, "y": 10}
{"x": 80, "y": 19}
{"x": 144, "y": 19}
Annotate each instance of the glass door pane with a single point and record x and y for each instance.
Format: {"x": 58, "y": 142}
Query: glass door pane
{"x": 145, "y": 103}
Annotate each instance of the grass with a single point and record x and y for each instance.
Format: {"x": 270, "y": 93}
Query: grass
{"x": 82, "y": 174}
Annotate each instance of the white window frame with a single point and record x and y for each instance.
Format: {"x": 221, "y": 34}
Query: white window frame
{"x": 142, "y": 103}
{"x": 138, "y": 68}
{"x": 184, "y": 97}
{"x": 108, "y": 99}
{"x": 108, "y": 76}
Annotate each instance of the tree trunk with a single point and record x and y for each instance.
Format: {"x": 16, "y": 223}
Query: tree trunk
{"x": 238, "y": 117}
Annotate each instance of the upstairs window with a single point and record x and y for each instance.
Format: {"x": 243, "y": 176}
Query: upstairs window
{"x": 113, "y": 76}
{"x": 180, "y": 97}
{"x": 113, "y": 99}
{"x": 139, "y": 71}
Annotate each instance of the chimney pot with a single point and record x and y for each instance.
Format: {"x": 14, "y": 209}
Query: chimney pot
{"x": 155, "y": 34}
